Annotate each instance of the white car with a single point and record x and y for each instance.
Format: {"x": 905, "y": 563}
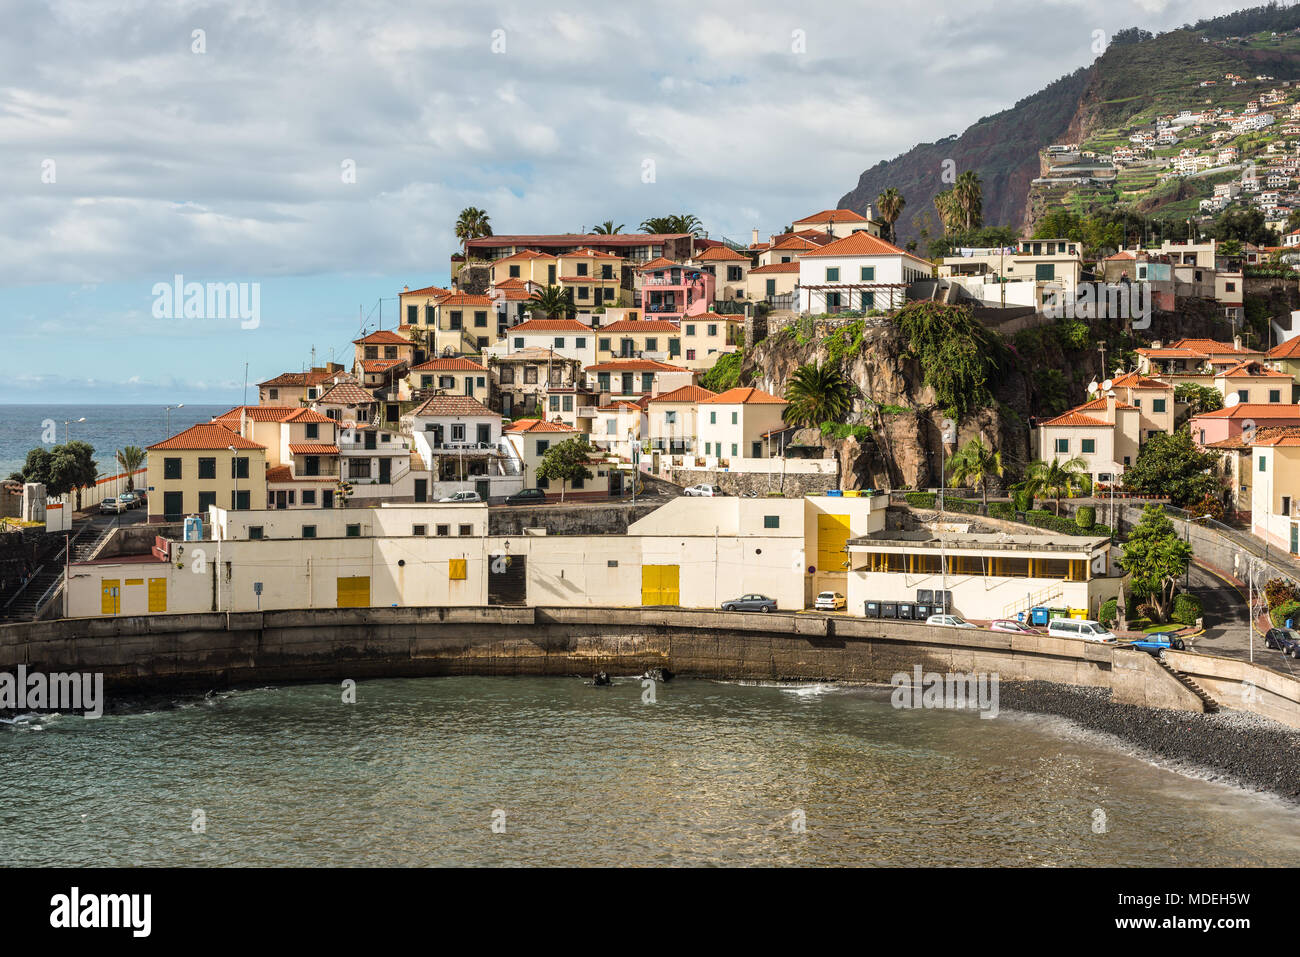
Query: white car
{"x": 706, "y": 490}
{"x": 463, "y": 497}
{"x": 949, "y": 621}
{"x": 1080, "y": 628}
{"x": 829, "y": 601}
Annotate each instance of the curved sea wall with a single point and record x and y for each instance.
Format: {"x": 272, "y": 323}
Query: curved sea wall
{"x": 162, "y": 653}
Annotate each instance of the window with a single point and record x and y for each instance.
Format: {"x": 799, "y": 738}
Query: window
{"x": 690, "y": 330}
{"x": 171, "y": 468}
{"x": 771, "y": 521}
{"x": 1045, "y": 271}
{"x": 1274, "y": 395}
{"x": 313, "y": 431}
{"x": 255, "y": 532}
{"x": 207, "y": 468}
{"x": 611, "y": 427}
{"x": 412, "y": 314}
{"x": 713, "y": 418}
{"x": 734, "y": 274}
{"x": 1261, "y": 464}
{"x": 1230, "y": 287}
{"x": 690, "y": 354}
{"x": 652, "y": 345}
{"x": 568, "y": 403}
{"x": 735, "y": 418}
{"x": 480, "y": 319}
{"x": 353, "y": 531}
{"x": 454, "y": 321}
{"x": 1088, "y": 446}
{"x": 309, "y": 497}
{"x": 582, "y": 269}
{"x": 206, "y": 499}
{"x": 358, "y": 468}
{"x": 602, "y": 381}
{"x": 832, "y": 274}
{"x": 309, "y": 531}
{"x": 868, "y": 273}
{"x": 1286, "y": 504}
{"x": 239, "y": 467}
{"x": 464, "y": 530}
{"x": 1243, "y": 395}
{"x": 670, "y": 418}
{"x": 543, "y": 445}
{"x": 419, "y": 529}
{"x": 519, "y": 342}
{"x": 708, "y": 448}
{"x": 514, "y": 272}
{"x": 507, "y": 374}
{"x": 443, "y": 530}
{"x": 458, "y": 432}
{"x": 713, "y": 328}
{"x": 583, "y": 293}
{"x": 647, "y": 381}
{"x": 1062, "y": 445}
{"x": 530, "y": 375}
{"x": 428, "y": 316}
{"x": 603, "y": 345}
{"x": 733, "y": 449}
{"x": 273, "y": 393}
{"x": 559, "y": 342}
{"x": 580, "y": 342}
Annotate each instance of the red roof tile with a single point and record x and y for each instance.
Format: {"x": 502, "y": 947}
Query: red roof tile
{"x": 313, "y": 448}
{"x": 835, "y": 215}
{"x": 634, "y": 365}
{"x": 792, "y": 267}
{"x": 745, "y": 396}
{"x": 549, "y": 325}
{"x": 861, "y": 244}
{"x": 687, "y": 393}
{"x": 382, "y": 337}
{"x": 205, "y": 436}
{"x": 537, "y": 425}
{"x": 640, "y": 325}
{"x": 449, "y": 364}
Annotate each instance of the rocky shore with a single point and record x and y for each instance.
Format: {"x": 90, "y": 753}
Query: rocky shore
{"x": 1233, "y": 746}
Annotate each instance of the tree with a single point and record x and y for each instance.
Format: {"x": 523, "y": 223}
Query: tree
{"x": 130, "y": 459}
{"x": 551, "y": 302}
{"x": 72, "y": 468}
{"x": 1056, "y": 478}
{"x": 945, "y": 204}
{"x": 968, "y": 198}
{"x": 473, "y": 223}
{"x": 1156, "y": 557}
{"x": 976, "y": 463}
{"x": 817, "y": 393}
{"x": 1244, "y": 225}
{"x": 566, "y": 461}
{"x": 678, "y": 223}
{"x": 1230, "y": 248}
{"x": 1172, "y": 465}
{"x": 36, "y": 467}
{"x": 890, "y": 203}
{"x": 1199, "y": 398}
{"x": 607, "y": 228}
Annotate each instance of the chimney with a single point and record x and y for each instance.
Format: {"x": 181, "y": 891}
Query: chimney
{"x": 753, "y": 236}
{"x": 1236, "y": 342}
{"x": 1110, "y": 406}
{"x": 871, "y": 211}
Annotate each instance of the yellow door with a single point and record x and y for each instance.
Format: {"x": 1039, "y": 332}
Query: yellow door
{"x": 110, "y": 596}
{"x": 832, "y": 534}
{"x": 660, "y": 585}
{"x": 158, "y": 594}
{"x": 354, "y": 592}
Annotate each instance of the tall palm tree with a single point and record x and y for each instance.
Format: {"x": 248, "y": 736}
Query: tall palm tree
{"x": 473, "y": 223}
{"x": 551, "y": 302}
{"x": 890, "y": 203}
{"x": 968, "y": 193}
{"x": 976, "y": 463}
{"x": 945, "y": 204}
{"x": 1057, "y": 478}
{"x": 607, "y": 228}
{"x": 817, "y": 393}
{"x": 130, "y": 459}
{"x": 677, "y": 223}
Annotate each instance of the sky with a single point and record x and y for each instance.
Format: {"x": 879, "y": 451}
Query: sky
{"x": 318, "y": 152}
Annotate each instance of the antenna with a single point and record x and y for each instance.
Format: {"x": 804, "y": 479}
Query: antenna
{"x": 1107, "y": 386}
{"x": 1092, "y": 387}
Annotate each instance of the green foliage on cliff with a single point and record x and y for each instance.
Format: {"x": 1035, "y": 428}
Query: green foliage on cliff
{"x": 957, "y": 355}
{"x": 726, "y": 372}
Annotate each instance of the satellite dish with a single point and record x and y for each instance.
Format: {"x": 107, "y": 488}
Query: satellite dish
{"x": 1107, "y": 385}
{"x": 1092, "y": 387}
{"x": 1232, "y": 400}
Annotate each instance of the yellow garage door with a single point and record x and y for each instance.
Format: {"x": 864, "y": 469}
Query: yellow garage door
{"x": 110, "y": 596}
{"x": 832, "y": 534}
{"x": 157, "y": 594}
{"x": 659, "y": 585}
{"x": 354, "y": 592}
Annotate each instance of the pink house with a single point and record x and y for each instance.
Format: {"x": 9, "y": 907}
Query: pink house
{"x": 1227, "y": 423}
{"x": 670, "y": 290}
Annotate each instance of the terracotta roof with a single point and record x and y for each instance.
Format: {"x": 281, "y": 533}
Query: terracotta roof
{"x": 534, "y": 354}
{"x": 256, "y": 413}
{"x": 1121, "y": 255}
{"x": 306, "y": 415}
{"x": 634, "y": 365}
{"x": 449, "y": 364}
{"x": 1210, "y": 347}
{"x": 641, "y": 325}
{"x": 1171, "y": 353}
{"x": 1251, "y": 369}
{"x": 380, "y": 365}
{"x": 464, "y": 299}
{"x": 453, "y": 405}
{"x": 1131, "y": 380}
{"x": 745, "y": 396}
{"x": 549, "y": 325}
{"x": 383, "y": 336}
{"x": 1097, "y": 405}
{"x": 721, "y": 253}
{"x": 205, "y": 436}
{"x": 1280, "y": 436}
{"x": 1236, "y": 442}
{"x": 861, "y": 244}
{"x": 659, "y": 262}
{"x": 537, "y": 425}
{"x": 687, "y": 393}
{"x": 837, "y": 215}
{"x": 574, "y": 239}
{"x": 431, "y": 291}
{"x": 587, "y": 253}
{"x": 1253, "y": 410}
{"x": 1074, "y": 418}
{"x": 620, "y": 406}
{"x": 347, "y": 393}
{"x": 303, "y": 378}
{"x": 776, "y": 267}
{"x": 523, "y": 254}
{"x": 1286, "y": 350}
{"x": 795, "y": 243}
{"x": 313, "y": 448}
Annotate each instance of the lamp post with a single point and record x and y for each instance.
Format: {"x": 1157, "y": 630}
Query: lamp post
{"x": 168, "y": 412}
{"x": 234, "y": 469}
{"x": 1187, "y": 528}
{"x": 67, "y": 428}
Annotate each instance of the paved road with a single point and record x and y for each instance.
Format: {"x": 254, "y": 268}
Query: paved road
{"x": 1226, "y": 632}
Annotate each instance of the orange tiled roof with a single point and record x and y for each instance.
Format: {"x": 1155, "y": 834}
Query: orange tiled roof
{"x": 1099, "y": 404}
{"x": 836, "y": 215}
{"x": 1285, "y": 436}
{"x": 641, "y": 325}
{"x": 659, "y": 262}
{"x": 380, "y": 365}
{"x": 745, "y": 395}
{"x": 1252, "y": 370}
{"x": 1131, "y": 380}
{"x": 1286, "y": 350}
{"x": 382, "y": 337}
{"x": 449, "y": 364}
{"x": 256, "y": 413}
{"x": 313, "y": 448}
{"x": 634, "y": 365}
{"x": 1075, "y": 419}
{"x": 205, "y": 436}
{"x": 464, "y": 299}
{"x": 549, "y": 325}
{"x": 687, "y": 393}
{"x": 1253, "y": 410}
{"x": 347, "y": 393}
{"x": 453, "y": 405}
{"x": 775, "y": 267}
{"x": 537, "y": 425}
{"x": 861, "y": 244}
{"x": 1210, "y": 347}
{"x": 431, "y": 291}
{"x": 720, "y": 254}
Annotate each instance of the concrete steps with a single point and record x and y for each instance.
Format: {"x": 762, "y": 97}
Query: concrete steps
{"x": 1211, "y": 706}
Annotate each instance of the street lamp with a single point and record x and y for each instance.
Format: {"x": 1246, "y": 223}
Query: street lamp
{"x": 1187, "y": 528}
{"x": 168, "y": 412}
{"x": 67, "y": 430}
{"x": 234, "y": 468}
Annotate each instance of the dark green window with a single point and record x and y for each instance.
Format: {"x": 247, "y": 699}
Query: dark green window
{"x": 771, "y": 521}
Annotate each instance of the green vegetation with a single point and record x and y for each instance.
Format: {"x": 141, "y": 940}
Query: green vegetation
{"x": 817, "y": 393}
{"x": 1156, "y": 557}
{"x": 677, "y": 223}
{"x": 472, "y": 223}
{"x": 1172, "y": 465}
{"x": 61, "y": 469}
{"x": 1057, "y": 479}
{"x": 890, "y": 205}
{"x": 1109, "y": 614}
{"x": 129, "y": 460}
{"x": 1085, "y": 516}
{"x": 1186, "y": 610}
{"x": 726, "y": 372}
{"x": 958, "y": 356}
{"x": 552, "y": 303}
{"x": 566, "y": 461}
{"x": 607, "y": 228}
{"x": 841, "y": 430}
{"x": 1199, "y": 398}
{"x": 976, "y": 463}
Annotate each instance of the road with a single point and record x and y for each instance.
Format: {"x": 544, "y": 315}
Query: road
{"x": 1226, "y": 634}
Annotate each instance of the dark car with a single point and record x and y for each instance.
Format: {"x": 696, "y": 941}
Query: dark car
{"x": 1285, "y": 640}
{"x": 750, "y": 603}
{"x": 527, "y": 496}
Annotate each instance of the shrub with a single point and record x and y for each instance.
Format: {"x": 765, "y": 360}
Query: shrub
{"x": 920, "y": 499}
{"x": 1288, "y": 609}
{"x": 1085, "y": 516}
{"x": 1187, "y": 608}
{"x": 1003, "y": 510}
{"x": 1109, "y": 613}
{"x": 1278, "y": 591}
{"x": 1024, "y": 501}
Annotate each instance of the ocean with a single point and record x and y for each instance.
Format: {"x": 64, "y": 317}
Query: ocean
{"x": 107, "y": 428}
{"x": 556, "y": 772}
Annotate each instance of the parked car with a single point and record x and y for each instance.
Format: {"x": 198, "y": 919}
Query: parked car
{"x": 129, "y": 500}
{"x": 707, "y": 490}
{"x": 949, "y": 621}
{"x": 1157, "y": 642}
{"x": 1285, "y": 640}
{"x": 830, "y": 601}
{"x": 1080, "y": 628}
{"x": 527, "y": 496}
{"x": 1011, "y": 625}
{"x": 750, "y": 603}
{"x": 466, "y": 496}
{"x": 111, "y": 506}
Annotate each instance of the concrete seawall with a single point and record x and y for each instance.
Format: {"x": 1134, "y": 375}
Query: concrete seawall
{"x": 179, "y": 652}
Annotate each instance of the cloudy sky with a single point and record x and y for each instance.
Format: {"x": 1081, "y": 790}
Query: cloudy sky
{"x": 134, "y": 149}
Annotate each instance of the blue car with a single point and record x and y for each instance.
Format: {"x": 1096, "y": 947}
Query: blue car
{"x": 1285, "y": 640}
{"x": 1157, "y": 642}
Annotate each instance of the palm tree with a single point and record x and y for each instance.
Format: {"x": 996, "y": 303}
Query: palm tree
{"x": 976, "y": 463}
{"x": 472, "y": 223}
{"x": 890, "y": 203}
{"x": 817, "y": 393}
{"x": 945, "y": 204}
{"x": 1057, "y": 478}
{"x": 677, "y": 223}
{"x": 551, "y": 302}
{"x": 130, "y": 459}
{"x": 607, "y": 228}
{"x": 968, "y": 193}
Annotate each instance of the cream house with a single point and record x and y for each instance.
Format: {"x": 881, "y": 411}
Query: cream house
{"x": 772, "y": 282}
{"x": 207, "y": 464}
{"x": 1105, "y": 433}
{"x": 707, "y": 336}
{"x": 735, "y": 424}
{"x": 672, "y": 419}
{"x": 1274, "y": 515}
{"x": 639, "y": 338}
{"x": 1255, "y": 383}
{"x": 451, "y": 375}
{"x": 729, "y": 269}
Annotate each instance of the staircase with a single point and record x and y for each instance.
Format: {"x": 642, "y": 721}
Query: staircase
{"x": 1208, "y": 703}
{"x": 1033, "y": 601}
{"x": 25, "y": 604}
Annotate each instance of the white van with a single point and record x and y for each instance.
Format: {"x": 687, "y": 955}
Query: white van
{"x": 1079, "y": 628}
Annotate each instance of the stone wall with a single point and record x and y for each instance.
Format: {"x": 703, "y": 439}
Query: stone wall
{"x": 570, "y": 519}
{"x": 791, "y": 485}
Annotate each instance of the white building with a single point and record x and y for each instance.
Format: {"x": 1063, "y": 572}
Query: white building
{"x": 859, "y": 272}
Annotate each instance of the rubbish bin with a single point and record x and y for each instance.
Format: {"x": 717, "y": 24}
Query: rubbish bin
{"x": 1020, "y": 617}
{"x": 1057, "y": 613}
{"x": 836, "y": 493}
{"x": 922, "y": 612}
{"x": 889, "y": 609}
{"x": 905, "y": 610}
{"x": 1038, "y": 616}
{"x": 871, "y": 609}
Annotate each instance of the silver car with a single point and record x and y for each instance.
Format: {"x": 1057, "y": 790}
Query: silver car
{"x": 465, "y": 496}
